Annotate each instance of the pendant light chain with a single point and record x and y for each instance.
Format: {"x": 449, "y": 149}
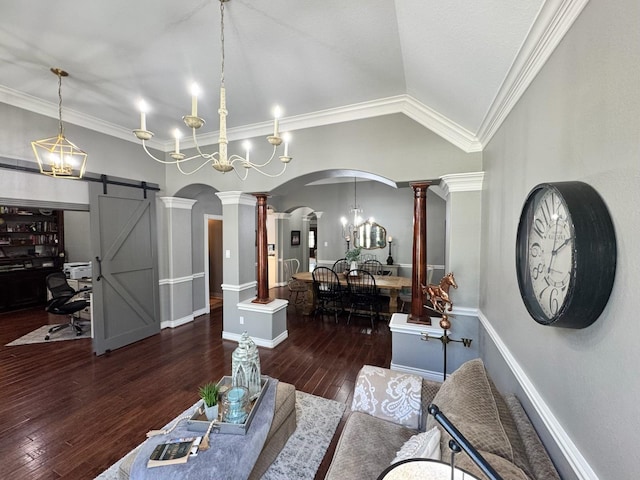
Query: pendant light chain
{"x": 60, "y": 126}
{"x": 222, "y": 42}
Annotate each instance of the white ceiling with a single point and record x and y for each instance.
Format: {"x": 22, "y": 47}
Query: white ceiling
{"x": 452, "y": 65}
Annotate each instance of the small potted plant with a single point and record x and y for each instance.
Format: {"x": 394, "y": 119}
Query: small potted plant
{"x": 209, "y": 394}
{"x": 352, "y": 256}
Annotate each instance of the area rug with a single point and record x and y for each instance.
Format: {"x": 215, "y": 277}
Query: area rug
{"x": 317, "y": 419}
{"x": 37, "y": 336}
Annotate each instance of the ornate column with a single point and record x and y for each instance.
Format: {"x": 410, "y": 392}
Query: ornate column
{"x": 419, "y": 270}
{"x": 263, "y": 269}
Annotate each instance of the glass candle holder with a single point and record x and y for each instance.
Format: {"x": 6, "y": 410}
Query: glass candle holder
{"x": 235, "y": 405}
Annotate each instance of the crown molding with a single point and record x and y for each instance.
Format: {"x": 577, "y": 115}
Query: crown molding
{"x": 48, "y": 109}
{"x": 551, "y": 25}
{"x": 441, "y": 125}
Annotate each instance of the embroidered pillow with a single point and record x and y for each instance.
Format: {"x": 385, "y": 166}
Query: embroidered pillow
{"x": 389, "y": 395}
{"x": 422, "y": 445}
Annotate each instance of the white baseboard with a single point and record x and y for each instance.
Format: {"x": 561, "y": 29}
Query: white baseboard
{"x": 573, "y": 456}
{"x": 260, "y": 342}
{"x": 177, "y": 322}
{"x": 428, "y": 374}
{"x": 202, "y": 311}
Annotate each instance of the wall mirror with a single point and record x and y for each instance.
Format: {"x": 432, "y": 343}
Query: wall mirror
{"x": 370, "y": 235}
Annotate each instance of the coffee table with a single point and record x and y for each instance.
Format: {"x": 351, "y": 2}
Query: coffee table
{"x": 282, "y": 426}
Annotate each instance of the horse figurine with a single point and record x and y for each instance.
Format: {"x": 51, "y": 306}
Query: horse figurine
{"x": 439, "y": 294}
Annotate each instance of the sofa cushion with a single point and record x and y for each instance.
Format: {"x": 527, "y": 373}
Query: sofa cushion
{"x": 509, "y": 425}
{"x": 388, "y": 395}
{"x": 421, "y": 445}
{"x": 466, "y": 399}
{"x": 504, "y": 468}
{"x": 366, "y": 447}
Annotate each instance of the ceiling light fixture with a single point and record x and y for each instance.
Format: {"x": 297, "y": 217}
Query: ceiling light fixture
{"x": 219, "y": 160}
{"x": 57, "y": 156}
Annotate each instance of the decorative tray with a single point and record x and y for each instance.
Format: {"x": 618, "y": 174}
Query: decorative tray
{"x": 198, "y": 421}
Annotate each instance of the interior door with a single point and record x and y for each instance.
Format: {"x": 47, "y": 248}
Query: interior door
{"x": 125, "y": 273}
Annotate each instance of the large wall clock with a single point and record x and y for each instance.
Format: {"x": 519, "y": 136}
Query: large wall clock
{"x": 565, "y": 254}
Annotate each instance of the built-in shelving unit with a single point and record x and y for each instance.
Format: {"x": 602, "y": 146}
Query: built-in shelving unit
{"x": 31, "y": 247}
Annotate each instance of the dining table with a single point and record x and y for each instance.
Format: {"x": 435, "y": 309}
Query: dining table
{"x": 393, "y": 284}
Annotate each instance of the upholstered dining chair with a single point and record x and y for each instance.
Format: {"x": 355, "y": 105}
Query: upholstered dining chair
{"x": 363, "y": 294}
{"x": 328, "y": 292}
{"x": 291, "y": 267}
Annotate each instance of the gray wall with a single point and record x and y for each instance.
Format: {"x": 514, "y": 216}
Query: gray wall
{"x": 392, "y": 208}
{"x": 579, "y": 120}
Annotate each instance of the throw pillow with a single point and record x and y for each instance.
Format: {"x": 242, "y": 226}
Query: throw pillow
{"x": 389, "y": 395}
{"x": 465, "y": 398}
{"x": 422, "y": 445}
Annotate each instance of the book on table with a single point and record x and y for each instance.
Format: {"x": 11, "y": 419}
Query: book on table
{"x": 174, "y": 452}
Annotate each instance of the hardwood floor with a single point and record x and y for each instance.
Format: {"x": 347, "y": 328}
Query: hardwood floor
{"x": 67, "y": 414}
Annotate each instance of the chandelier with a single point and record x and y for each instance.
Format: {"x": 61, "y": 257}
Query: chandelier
{"x": 349, "y": 225}
{"x": 219, "y": 160}
{"x": 57, "y": 156}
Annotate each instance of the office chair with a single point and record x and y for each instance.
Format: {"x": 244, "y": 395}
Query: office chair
{"x": 61, "y": 302}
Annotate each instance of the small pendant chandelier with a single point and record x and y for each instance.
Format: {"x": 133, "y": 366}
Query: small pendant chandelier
{"x": 57, "y": 156}
{"x": 220, "y": 160}
{"x": 245, "y": 366}
{"x": 349, "y": 227}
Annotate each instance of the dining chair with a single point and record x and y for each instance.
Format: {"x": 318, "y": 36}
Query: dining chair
{"x": 374, "y": 267}
{"x": 291, "y": 267}
{"x": 340, "y": 266}
{"x": 328, "y": 292}
{"x": 363, "y": 294}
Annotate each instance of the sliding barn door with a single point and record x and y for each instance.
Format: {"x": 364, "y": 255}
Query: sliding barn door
{"x": 125, "y": 272}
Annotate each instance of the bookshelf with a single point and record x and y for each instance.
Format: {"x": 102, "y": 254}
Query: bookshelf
{"x": 31, "y": 247}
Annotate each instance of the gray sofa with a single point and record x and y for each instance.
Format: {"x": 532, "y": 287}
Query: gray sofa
{"x": 496, "y": 425}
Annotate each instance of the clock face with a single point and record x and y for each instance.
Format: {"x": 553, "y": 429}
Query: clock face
{"x": 550, "y": 251}
{"x": 565, "y": 254}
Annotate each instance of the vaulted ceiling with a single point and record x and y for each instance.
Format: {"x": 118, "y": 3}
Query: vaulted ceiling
{"x": 455, "y": 66}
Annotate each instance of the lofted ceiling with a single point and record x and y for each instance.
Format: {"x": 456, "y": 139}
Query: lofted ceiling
{"x": 455, "y": 66}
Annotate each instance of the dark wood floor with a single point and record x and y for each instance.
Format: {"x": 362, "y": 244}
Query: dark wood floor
{"x": 65, "y": 413}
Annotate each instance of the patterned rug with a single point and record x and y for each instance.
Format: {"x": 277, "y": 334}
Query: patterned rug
{"x": 37, "y": 336}
{"x": 317, "y": 420}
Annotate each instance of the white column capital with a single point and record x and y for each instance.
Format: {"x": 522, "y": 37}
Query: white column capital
{"x": 236, "y": 198}
{"x": 461, "y": 182}
{"x": 178, "y": 202}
